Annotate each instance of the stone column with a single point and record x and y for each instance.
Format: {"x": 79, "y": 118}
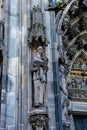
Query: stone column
{"x": 23, "y": 54}
{"x": 49, "y": 21}
{"x": 12, "y": 15}
{"x": 55, "y": 73}
{"x": 4, "y": 50}
{"x": 3, "y": 90}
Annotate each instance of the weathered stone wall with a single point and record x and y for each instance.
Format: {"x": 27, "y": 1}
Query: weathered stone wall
{"x": 18, "y": 53}
{"x": 12, "y": 31}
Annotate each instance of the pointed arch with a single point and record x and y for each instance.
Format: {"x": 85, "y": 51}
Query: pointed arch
{"x": 74, "y": 59}
{"x": 77, "y": 82}
{"x": 76, "y": 56}
{"x": 63, "y": 15}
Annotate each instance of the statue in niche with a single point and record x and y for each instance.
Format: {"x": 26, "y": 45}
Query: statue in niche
{"x": 39, "y": 71}
{"x": 64, "y": 94}
{"x": 63, "y": 81}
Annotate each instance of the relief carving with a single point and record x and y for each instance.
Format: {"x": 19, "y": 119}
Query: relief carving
{"x": 39, "y": 121}
{"x": 77, "y": 85}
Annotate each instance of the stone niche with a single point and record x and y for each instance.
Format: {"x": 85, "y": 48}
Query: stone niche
{"x": 38, "y": 115}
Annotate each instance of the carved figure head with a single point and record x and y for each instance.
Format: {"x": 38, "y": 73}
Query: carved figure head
{"x": 62, "y": 69}
{"x": 40, "y": 50}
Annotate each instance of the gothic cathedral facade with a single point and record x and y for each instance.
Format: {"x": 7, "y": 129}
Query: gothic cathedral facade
{"x": 43, "y": 65}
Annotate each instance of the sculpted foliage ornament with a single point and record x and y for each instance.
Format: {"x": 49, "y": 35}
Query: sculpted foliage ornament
{"x": 39, "y": 120}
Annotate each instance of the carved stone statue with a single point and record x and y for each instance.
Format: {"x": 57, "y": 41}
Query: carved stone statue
{"x": 39, "y": 70}
{"x": 63, "y": 81}
{"x": 67, "y": 119}
{"x": 64, "y": 94}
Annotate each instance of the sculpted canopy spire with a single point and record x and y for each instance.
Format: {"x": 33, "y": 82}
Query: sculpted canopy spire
{"x": 37, "y": 34}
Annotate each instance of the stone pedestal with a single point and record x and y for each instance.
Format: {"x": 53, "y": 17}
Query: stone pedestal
{"x": 38, "y": 118}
